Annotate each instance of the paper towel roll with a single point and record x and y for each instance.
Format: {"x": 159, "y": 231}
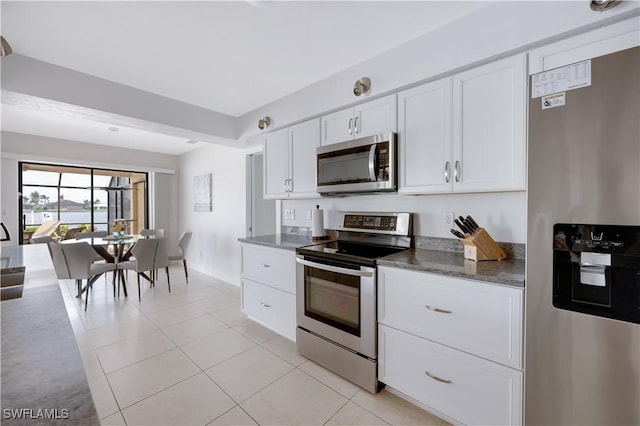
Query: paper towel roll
{"x": 317, "y": 226}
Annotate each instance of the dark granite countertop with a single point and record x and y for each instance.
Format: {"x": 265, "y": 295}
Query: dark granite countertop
{"x": 506, "y": 272}
{"x": 43, "y": 378}
{"x": 281, "y": 241}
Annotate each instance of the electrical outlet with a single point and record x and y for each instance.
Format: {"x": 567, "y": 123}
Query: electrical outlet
{"x": 287, "y": 213}
{"x": 292, "y": 214}
{"x": 448, "y": 217}
{"x": 308, "y": 215}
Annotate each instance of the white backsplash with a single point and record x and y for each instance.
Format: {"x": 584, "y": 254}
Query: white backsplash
{"x": 503, "y": 214}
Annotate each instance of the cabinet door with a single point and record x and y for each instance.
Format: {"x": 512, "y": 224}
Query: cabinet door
{"x": 375, "y": 117}
{"x": 337, "y": 127}
{"x": 276, "y": 164}
{"x": 489, "y": 115}
{"x": 424, "y": 137}
{"x": 304, "y": 138}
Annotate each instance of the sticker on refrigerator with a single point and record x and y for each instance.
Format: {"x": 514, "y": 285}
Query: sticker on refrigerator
{"x": 562, "y": 79}
{"x": 552, "y": 101}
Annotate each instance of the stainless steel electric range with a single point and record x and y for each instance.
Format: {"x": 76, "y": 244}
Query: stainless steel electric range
{"x": 336, "y": 293}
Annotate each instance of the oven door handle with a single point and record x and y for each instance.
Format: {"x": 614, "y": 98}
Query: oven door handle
{"x": 345, "y": 271}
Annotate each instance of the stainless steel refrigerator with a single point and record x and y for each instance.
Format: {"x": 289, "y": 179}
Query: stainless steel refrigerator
{"x": 581, "y": 367}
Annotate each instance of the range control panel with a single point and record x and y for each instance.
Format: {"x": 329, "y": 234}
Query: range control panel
{"x": 381, "y": 223}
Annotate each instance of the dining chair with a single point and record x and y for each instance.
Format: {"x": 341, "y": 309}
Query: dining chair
{"x": 41, "y": 239}
{"x": 161, "y": 260}
{"x": 80, "y": 261}
{"x": 183, "y": 244}
{"x": 101, "y": 253}
{"x": 58, "y": 260}
{"x": 144, "y": 254}
{"x": 152, "y": 232}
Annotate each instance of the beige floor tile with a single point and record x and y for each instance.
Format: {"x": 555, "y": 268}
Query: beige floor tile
{"x": 294, "y": 399}
{"x": 109, "y": 314}
{"x": 254, "y": 331}
{"x": 92, "y": 367}
{"x": 197, "y": 294}
{"x": 218, "y": 347}
{"x": 122, "y": 330}
{"x": 193, "y": 329}
{"x": 230, "y": 316}
{"x": 126, "y": 352}
{"x": 393, "y": 409}
{"x": 335, "y": 382}
{"x": 352, "y": 415}
{"x": 215, "y": 304}
{"x": 138, "y": 381}
{"x": 175, "y": 315}
{"x": 234, "y": 417}
{"x": 150, "y": 304}
{"x": 248, "y": 372}
{"x": 113, "y": 420}
{"x": 195, "y": 401}
{"x": 285, "y": 349}
{"x": 103, "y": 398}
{"x": 227, "y": 287}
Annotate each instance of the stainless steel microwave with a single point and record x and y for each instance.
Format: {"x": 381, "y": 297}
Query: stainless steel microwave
{"x": 360, "y": 165}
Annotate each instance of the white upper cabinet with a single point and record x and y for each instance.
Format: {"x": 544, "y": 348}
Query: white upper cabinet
{"x": 489, "y": 132}
{"x": 290, "y": 161}
{"x": 465, "y": 133}
{"x": 367, "y": 119}
{"x": 424, "y": 138}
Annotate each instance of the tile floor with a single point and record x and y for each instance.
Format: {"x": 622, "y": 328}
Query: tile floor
{"x": 190, "y": 357}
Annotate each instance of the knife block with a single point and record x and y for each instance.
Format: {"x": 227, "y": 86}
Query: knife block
{"x": 480, "y": 246}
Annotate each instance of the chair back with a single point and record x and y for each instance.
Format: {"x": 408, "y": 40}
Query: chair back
{"x": 162, "y": 253}
{"x": 47, "y": 227}
{"x": 71, "y": 233}
{"x": 58, "y": 260}
{"x": 152, "y": 232}
{"x": 41, "y": 239}
{"x": 79, "y": 257}
{"x": 95, "y": 234}
{"x": 183, "y": 243}
{"x": 144, "y": 251}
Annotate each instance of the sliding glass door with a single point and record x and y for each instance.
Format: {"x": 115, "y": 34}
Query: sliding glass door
{"x": 80, "y": 199}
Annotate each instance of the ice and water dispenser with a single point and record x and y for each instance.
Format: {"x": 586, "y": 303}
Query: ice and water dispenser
{"x": 596, "y": 270}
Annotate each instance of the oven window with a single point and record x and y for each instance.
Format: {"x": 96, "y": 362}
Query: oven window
{"x": 333, "y": 299}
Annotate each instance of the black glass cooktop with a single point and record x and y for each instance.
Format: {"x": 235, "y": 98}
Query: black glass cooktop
{"x": 349, "y": 251}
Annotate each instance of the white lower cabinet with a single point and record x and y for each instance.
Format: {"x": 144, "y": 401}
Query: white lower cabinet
{"x": 268, "y": 288}
{"x": 453, "y": 345}
{"x": 273, "y": 308}
{"x": 463, "y": 387}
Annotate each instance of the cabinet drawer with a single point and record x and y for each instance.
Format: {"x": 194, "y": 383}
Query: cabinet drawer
{"x": 273, "y": 308}
{"x": 464, "y": 387}
{"x": 479, "y": 318}
{"x": 273, "y": 267}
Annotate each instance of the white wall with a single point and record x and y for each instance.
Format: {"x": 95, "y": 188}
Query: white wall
{"x": 20, "y": 147}
{"x": 503, "y": 215}
{"x": 214, "y": 248}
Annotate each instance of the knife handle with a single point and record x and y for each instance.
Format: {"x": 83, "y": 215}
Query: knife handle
{"x": 473, "y": 222}
{"x": 457, "y": 233}
{"x": 461, "y": 226}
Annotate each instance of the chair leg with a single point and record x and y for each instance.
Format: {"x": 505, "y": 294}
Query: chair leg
{"x": 87, "y": 289}
{"x": 139, "y": 298}
{"x": 79, "y": 285}
{"x": 186, "y": 274}
{"x": 115, "y": 272}
{"x": 168, "y": 280}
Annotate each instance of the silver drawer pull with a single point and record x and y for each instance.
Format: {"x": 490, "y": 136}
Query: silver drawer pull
{"x": 442, "y": 311}
{"x": 437, "y": 378}
{"x": 265, "y": 305}
{"x": 264, "y": 265}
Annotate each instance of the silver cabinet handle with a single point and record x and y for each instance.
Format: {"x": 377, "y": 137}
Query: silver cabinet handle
{"x": 284, "y": 186}
{"x": 264, "y": 265}
{"x": 437, "y": 378}
{"x": 351, "y": 126}
{"x": 345, "y": 271}
{"x": 355, "y": 122}
{"x": 265, "y": 305}
{"x": 447, "y": 171}
{"x": 442, "y": 311}
{"x": 289, "y": 185}
{"x": 456, "y": 171}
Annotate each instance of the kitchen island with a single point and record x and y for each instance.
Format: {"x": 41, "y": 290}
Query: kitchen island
{"x": 43, "y": 378}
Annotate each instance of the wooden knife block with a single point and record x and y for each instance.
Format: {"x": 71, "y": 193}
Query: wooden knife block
{"x": 480, "y": 246}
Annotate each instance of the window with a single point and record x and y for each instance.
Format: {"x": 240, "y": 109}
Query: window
{"x": 81, "y": 198}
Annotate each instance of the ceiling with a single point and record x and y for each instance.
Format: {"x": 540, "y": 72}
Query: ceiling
{"x": 230, "y": 57}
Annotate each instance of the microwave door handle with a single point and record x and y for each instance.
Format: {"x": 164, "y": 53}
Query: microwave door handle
{"x": 372, "y": 162}
{"x": 345, "y": 271}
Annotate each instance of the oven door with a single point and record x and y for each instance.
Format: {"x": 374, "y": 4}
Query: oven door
{"x": 337, "y": 301}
